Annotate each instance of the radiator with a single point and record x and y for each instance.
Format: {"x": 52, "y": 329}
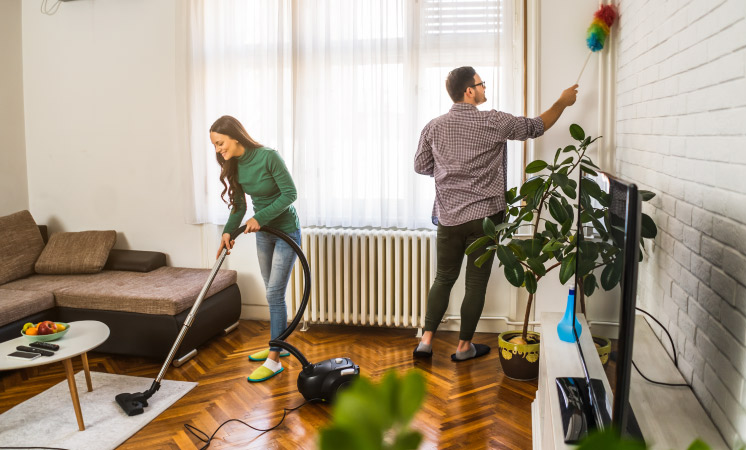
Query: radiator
{"x": 365, "y": 277}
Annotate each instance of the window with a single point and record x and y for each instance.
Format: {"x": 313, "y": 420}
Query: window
{"x": 342, "y": 89}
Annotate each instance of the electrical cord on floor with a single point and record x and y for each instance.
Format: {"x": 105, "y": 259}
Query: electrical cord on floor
{"x": 675, "y": 358}
{"x": 207, "y": 439}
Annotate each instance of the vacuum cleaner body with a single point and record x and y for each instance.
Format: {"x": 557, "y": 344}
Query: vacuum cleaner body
{"x": 323, "y": 380}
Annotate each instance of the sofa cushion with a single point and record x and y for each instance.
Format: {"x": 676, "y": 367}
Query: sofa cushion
{"x": 79, "y": 252}
{"x": 16, "y": 305}
{"x": 166, "y": 290}
{"x": 20, "y": 246}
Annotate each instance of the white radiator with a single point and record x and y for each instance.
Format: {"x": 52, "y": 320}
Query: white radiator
{"x": 365, "y": 277}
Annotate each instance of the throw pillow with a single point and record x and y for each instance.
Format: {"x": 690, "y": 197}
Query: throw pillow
{"x": 20, "y": 246}
{"x": 79, "y": 252}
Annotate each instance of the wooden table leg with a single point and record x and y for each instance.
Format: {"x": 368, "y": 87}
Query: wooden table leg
{"x": 73, "y": 392}
{"x": 84, "y": 357}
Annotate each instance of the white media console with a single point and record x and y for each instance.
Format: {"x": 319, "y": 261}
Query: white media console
{"x": 669, "y": 417}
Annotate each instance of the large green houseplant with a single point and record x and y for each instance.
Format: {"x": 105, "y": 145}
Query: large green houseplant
{"x": 551, "y": 240}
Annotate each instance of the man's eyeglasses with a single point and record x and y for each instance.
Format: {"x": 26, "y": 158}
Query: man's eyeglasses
{"x": 483, "y": 84}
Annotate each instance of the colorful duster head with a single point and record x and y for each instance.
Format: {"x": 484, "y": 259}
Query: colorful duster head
{"x": 603, "y": 19}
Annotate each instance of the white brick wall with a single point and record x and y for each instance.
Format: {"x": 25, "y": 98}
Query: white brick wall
{"x": 681, "y": 132}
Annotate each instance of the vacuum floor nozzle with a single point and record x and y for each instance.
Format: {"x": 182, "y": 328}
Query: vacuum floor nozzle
{"x": 133, "y": 404}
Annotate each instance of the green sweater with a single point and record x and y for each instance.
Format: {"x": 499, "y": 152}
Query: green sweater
{"x": 263, "y": 176}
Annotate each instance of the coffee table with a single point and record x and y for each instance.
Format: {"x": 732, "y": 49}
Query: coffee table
{"x": 83, "y": 336}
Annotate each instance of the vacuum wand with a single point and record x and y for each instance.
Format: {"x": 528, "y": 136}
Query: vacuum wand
{"x": 133, "y": 404}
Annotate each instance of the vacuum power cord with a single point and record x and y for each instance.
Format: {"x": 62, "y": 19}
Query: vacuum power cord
{"x": 202, "y": 436}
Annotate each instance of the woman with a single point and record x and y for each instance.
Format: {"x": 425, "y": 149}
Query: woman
{"x": 257, "y": 171}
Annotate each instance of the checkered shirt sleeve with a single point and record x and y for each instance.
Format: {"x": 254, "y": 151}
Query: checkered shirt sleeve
{"x": 465, "y": 151}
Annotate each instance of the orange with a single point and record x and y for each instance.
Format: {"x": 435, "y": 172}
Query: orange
{"x": 32, "y": 331}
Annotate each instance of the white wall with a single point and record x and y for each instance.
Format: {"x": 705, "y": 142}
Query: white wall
{"x": 104, "y": 87}
{"x": 681, "y": 132}
{"x": 562, "y": 52}
{"x": 13, "y": 181}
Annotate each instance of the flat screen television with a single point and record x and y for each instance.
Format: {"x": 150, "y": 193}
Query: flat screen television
{"x": 607, "y": 256}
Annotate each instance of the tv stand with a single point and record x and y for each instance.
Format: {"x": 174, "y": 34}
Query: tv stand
{"x": 668, "y": 417}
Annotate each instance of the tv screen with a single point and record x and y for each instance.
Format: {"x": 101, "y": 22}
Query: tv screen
{"x": 608, "y": 220}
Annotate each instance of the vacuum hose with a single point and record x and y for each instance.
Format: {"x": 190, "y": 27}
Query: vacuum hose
{"x": 279, "y": 341}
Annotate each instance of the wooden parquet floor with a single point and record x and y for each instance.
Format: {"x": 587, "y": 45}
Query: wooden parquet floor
{"x": 470, "y": 405}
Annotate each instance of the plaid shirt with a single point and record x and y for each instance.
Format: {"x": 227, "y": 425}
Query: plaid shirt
{"x": 465, "y": 151}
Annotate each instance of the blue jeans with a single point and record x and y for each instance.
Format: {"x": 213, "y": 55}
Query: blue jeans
{"x": 276, "y": 259}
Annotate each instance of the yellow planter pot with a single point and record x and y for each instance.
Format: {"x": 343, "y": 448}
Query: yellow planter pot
{"x": 519, "y": 361}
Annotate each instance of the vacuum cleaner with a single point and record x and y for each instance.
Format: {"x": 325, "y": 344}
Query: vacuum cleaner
{"x": 318, "y": 382}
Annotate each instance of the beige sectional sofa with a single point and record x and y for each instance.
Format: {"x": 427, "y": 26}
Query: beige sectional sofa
{"x": 78, "y": 276}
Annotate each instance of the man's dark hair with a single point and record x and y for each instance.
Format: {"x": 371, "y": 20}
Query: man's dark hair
{"x": 457, "y": 82}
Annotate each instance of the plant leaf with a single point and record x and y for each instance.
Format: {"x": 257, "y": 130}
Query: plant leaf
{"x": 552, "y": 227}
{"x": 567, "y": 268}
{"x": 536, "y": 166}
{"x": 589, "y": 162}
{"x": 530, "y": 281}
{"x": 612, "y": 274}
{"x": 587, "y": 169}
{"x": 531, "y": 185}
{"x": 335, "y": 437}
{"x": 590, "y": 186}
{"x": 552, "y": 246}
{"x": 567, "y": 161}
{"x": 557, "y": 211}
{"x": 649, "y": 230}
{"x": 532, "y": 247}
{"x": 559, "y": 179}
{"x": 488, "y": 226}
{"x": 479, "y": 243}
{"x": 569, "y": 148}
{"x": 589, "y": 285}
{"x": 514, "y": 274}
{"x": 510, "y": 194}
{"x": 483, "y": 258}
{"x": 577, "y": 132}
{"x": 405, "y": 440}
{"x": 646, "y": 195}
{"x": 537, "y": 266}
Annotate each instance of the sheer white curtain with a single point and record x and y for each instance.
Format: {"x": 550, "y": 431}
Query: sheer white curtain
{"x": 342, "y": 89}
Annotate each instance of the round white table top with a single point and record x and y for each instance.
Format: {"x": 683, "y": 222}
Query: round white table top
{"x": 83, "y": 336}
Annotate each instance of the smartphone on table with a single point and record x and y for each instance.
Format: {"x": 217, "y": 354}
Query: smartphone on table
{"x": 23, "y": 355}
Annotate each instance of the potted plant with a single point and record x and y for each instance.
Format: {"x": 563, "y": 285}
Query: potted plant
{"x": 552, "y": 240}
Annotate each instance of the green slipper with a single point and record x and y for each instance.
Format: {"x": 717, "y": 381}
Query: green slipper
{"x": 262, "y": 356}
{"x": 262, "y": 373}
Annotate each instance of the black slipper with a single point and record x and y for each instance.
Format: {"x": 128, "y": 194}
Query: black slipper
{"x": 481, "y": 351}
{"x": 417, "y": 354}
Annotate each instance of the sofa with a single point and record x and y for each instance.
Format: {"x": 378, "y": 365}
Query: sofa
{"x": 68, "y": 277}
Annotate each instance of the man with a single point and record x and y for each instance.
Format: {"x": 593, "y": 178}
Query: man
{"x": 465, "y": 151}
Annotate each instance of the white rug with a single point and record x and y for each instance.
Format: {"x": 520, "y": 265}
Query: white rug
{"x": 106, "y": 425}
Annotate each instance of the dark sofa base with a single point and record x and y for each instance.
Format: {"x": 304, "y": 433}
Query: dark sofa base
{"x": 152, "y": 336}
{"x": 149, "y": 335}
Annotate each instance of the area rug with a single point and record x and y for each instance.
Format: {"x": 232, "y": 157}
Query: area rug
{"x": 48, "y": 420}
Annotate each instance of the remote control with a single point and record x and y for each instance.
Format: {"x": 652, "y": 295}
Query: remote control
{"x": 24, "y": 348}
{"x": 45, "y": 346}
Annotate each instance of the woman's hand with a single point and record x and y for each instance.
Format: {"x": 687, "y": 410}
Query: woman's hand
{"x": 252, "y": 226}
{"x": 226, "y": 242}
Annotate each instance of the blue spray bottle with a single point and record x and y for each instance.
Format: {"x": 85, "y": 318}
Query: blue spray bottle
{"x": 564, "y": 328}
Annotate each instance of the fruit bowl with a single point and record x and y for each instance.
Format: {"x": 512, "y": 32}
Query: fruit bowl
{"x": 47, "y": 337}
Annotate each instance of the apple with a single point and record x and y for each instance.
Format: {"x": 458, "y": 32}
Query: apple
{"x": 52, "y": 326}
{"x": 43, "y": 328}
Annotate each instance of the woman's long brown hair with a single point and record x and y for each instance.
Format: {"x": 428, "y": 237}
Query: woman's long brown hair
{"x": 232, "y": 128}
